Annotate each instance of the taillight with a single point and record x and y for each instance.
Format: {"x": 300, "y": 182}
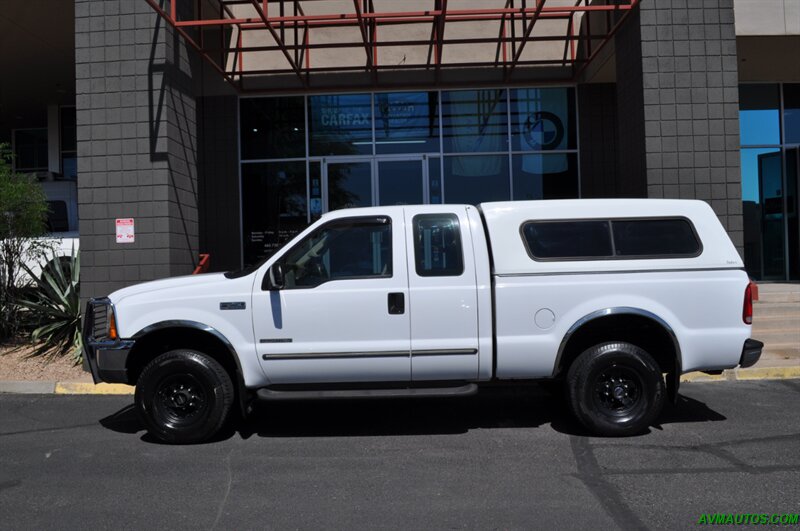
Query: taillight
{"x": 747, "y": 308}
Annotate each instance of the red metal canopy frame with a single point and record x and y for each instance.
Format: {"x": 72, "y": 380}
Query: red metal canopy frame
{"x": 286, "y": 18}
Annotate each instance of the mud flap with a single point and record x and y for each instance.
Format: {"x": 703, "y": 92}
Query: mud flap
{"x": 674, "y": 383}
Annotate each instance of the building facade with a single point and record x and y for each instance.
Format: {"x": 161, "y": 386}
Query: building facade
{"x": 224, "y": 128}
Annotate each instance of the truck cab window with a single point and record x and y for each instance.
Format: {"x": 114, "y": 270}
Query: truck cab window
{"x": 342, "y": 249}
{"x": 437, "y": 245}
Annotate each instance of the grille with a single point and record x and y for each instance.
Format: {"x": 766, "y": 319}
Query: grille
{"x": 99, "y": 327}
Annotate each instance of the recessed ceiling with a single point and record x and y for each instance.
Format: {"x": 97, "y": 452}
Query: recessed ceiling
{"x": 37, "y": 66}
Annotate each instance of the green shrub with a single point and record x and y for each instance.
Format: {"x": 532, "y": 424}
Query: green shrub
{"x": 54, "y": 305}
{"x": 23, "y": 210}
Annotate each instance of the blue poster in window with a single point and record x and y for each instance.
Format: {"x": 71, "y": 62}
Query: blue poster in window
{"x": 540, "y": 122}
{"x": 340, "y": 124}
{"x": 406, "y": 122}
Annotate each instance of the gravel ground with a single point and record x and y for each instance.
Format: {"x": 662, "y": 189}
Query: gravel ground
{"x": 17, "y": 366}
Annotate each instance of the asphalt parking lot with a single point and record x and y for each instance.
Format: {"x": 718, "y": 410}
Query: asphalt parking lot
{"x": 505, "y": 459}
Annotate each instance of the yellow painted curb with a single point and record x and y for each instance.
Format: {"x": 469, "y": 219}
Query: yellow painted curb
{"x": 702, "y": 377}
{"x": 758, "y": 373}
{"x": 766, "y": 373}
{"x": 86, "y": 388}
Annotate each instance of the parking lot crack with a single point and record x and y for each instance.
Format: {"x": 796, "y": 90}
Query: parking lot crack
{"x": 228, "y": 485}
{"x": 590, "y": 473}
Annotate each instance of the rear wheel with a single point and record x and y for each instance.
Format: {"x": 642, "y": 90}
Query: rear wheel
{"x": 615, "y": 389}
{"x": 184, "y": 396}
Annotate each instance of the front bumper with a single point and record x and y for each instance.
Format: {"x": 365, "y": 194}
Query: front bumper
{"x": 751, "y": 353}
{"x": 105, "y": 358}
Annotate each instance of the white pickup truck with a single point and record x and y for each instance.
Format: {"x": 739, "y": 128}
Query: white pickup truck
{"x": 614, "y": 298}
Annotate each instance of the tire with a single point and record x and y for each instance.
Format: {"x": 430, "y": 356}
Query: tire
{"x": 184, "y": 396}
{"x": 615, "y": 389}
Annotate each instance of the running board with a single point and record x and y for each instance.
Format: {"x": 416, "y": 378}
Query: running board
{"x": 332, "y": 394}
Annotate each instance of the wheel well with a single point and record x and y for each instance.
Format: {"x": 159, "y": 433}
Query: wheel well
{"x": 157, "y": 342}
{"x": 644, "y": 332}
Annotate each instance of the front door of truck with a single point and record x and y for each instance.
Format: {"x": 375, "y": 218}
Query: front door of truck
{"x": 342, "y": 314}
{"x": 443, "y": 295}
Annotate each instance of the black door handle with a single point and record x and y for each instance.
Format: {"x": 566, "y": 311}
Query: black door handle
{"x": 397, "y": 303}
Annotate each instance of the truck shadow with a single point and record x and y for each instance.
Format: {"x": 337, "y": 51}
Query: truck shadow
{"x": 500, "y": 408}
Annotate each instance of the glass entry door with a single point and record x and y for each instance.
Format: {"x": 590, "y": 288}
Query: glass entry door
{"x": 360, "y": 182}
{"x": 347, "y": 183}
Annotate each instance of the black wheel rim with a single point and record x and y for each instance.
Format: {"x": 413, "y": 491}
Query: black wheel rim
{"x": 618, "y": 390}
{"x": 180, "y": 400}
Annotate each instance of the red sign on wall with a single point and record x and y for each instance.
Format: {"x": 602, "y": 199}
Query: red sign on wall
{"x": 125, "y": 230}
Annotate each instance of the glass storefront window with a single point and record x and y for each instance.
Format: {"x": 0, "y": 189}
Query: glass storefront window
{"x": 68, "y": 129}
{"x": 542, "y": 119}
{"x": 273, "y": 128}
{"x": 340, "y": 124}
{"x": 793, "y": 210}
{"x": 274, "y": 206}
{"x": 791, "y": 112}
{"x": 474, "y": 121}
{"x": 387, "y": 148}
{"x": 69, "y": 143}
{"x": 759, "y": 114}
{"x": 545, "y": 176}
{"x": 406, "y": 122}
{"x": 30, "y": 149}
{"x": 475, "y": 179}
{"x": 762, "y": 196}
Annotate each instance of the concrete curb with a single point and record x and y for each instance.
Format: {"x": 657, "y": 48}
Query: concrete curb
{"x": 755, "y": 373}
{"x": 64, "y": 388}
{"x": 87, "y": 388}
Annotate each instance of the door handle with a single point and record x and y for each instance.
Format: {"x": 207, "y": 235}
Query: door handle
{"x": 397, "y": 303}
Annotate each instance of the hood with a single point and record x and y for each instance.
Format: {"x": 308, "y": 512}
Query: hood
{"x": 189, "y": 282}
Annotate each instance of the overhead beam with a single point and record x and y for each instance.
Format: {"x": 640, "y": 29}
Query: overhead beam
{"x": 412, "y": 17}
{"x": 364, "y": 35}
{"x": 516, "y": 29}
{"x": 611, "y": 32}
{"x": 278, "y": 39}
{"x": 528, "y": 30}
{"x": 171, "y": 21}
{"x": 440, "y": 36}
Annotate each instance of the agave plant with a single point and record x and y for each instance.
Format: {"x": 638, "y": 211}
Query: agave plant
{"x": 55, "y": 305}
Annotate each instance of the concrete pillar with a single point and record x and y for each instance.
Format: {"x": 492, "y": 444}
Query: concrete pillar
{"x": 137, "y": 145}
{"x": 685, "y": 139}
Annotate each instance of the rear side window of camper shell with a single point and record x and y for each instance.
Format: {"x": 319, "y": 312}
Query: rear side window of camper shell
{"x": 611, "y": 239}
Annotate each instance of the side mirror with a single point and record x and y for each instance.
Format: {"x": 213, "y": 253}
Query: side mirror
{"x": 273, "y": 280}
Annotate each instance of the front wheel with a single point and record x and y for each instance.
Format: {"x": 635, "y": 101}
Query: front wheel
{"x": 184, "y": 396}
{"x": 615, "y": 389}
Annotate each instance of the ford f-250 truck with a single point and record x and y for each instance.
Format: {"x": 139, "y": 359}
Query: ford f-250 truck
{"x": 614, "y": 298}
